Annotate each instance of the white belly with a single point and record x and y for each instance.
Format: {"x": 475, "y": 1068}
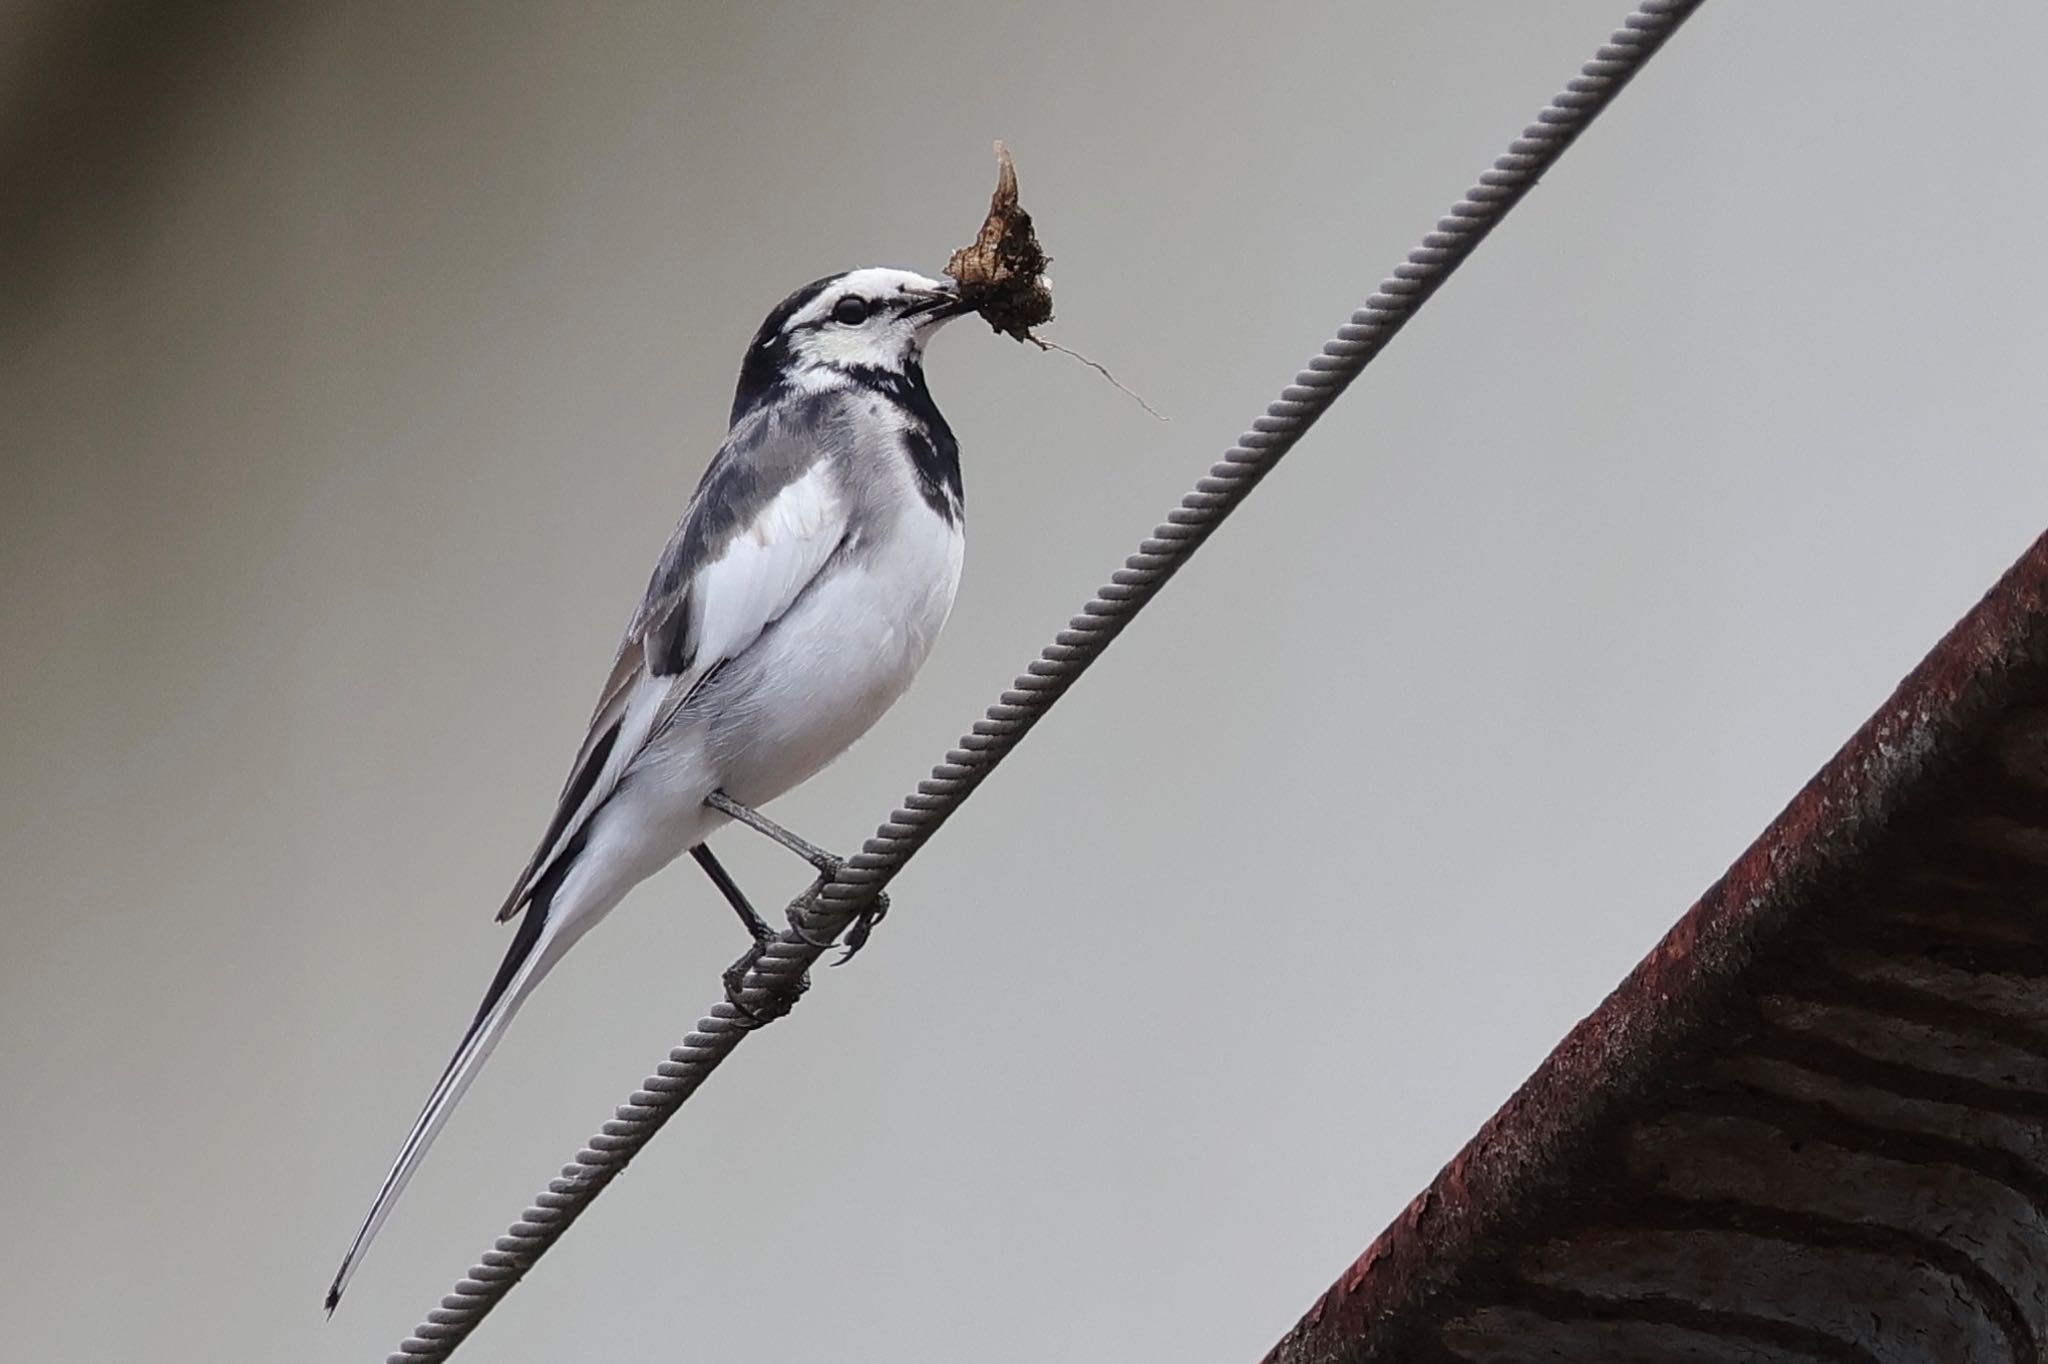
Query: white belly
{"x": 821, "y": 676}
{"x": 797, "y": 698}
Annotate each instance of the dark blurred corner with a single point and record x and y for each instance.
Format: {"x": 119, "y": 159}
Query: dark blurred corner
{"x": 89, "y": 91}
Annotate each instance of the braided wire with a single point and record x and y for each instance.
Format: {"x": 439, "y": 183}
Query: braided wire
{"x": 825, "y": 911}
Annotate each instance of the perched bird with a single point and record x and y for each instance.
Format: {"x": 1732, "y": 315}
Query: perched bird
{"x": 799, "y": 595}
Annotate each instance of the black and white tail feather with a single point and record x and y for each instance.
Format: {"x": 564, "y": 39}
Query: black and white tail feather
{"x": 800, "y": 593}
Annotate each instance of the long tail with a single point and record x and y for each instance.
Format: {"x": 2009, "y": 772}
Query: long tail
{"x": 539, "y": 944}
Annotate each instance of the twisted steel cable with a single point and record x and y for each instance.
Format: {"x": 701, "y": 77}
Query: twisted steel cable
{"x": 823, "y": 913}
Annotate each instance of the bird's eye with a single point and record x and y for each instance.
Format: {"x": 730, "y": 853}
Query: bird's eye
{"x": 850, "y": 311}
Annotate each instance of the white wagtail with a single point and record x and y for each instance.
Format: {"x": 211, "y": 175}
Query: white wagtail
{"x": 799, "y": 595}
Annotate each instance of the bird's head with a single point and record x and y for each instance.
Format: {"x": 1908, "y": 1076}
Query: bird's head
{"x": 873, "y": 320}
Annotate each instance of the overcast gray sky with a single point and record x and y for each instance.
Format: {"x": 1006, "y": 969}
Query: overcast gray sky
{"x": 355, "y": 362}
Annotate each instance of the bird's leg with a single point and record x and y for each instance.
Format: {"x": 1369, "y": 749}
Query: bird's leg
{"x": 756, "y": 926}
{"x": 827, "y": 865}
{"x": 810, "y": 852}
{"x": 762, "y": 935}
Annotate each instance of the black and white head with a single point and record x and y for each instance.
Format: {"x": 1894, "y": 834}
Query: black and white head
{"x": 860, "y": 325}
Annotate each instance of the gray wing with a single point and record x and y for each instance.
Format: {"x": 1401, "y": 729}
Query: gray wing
{"x": 764, "y": 520}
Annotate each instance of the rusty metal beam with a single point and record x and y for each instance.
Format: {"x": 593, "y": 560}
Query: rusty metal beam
{"x": 1811, "y": 1127}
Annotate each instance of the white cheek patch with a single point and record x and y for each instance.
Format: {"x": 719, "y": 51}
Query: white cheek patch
{"x": 880, "y": 342}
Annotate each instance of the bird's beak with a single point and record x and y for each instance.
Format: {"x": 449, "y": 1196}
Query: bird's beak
{"x": 937, "y": 303}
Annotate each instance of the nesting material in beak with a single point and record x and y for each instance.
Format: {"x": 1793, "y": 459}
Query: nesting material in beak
{"x": 1002, "y": 272}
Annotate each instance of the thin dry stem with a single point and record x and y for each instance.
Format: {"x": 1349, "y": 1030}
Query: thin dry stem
{"x": 1035, "y": 339}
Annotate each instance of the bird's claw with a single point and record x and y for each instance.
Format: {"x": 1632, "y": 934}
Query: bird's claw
{"x": 774, "y": 1005}
{"x": 864, "y": 924}
{"x": 856, "y": 935}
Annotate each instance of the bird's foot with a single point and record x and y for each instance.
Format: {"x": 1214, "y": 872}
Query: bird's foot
{"x": 857, "y": 933}
{"x": 774, "y": 1003}
{"x": 864, "y": 924}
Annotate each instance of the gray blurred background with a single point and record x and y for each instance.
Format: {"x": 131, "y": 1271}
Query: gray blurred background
{"x": 356, "y": 360}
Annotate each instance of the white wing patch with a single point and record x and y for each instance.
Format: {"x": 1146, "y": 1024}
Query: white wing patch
{"x": 756, "y": 578}
{"x": 763, "y": 569}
